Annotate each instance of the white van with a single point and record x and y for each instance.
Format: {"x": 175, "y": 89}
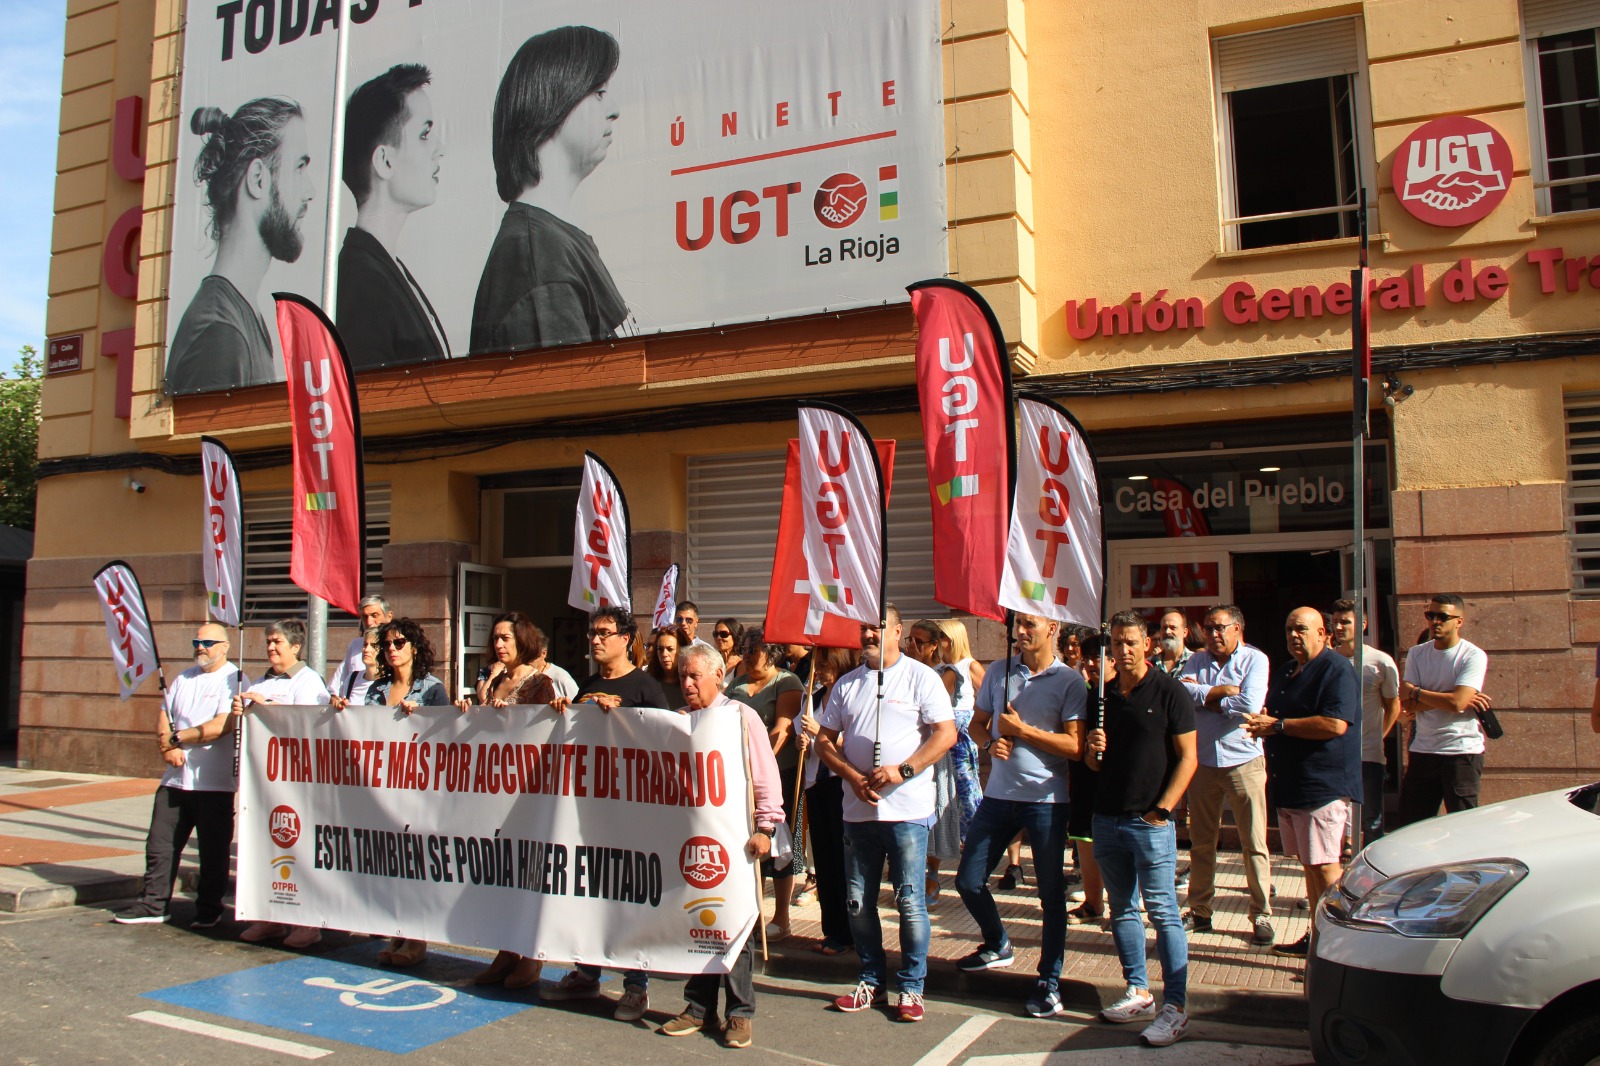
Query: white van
{"x": 1472, "y": 938}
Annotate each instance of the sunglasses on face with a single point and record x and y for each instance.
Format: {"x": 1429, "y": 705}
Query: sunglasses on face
{"x": 206, "y": 644}
{"x": 723, "y": 634}
{"x": 1439, "y": 616}
{"x": 394, "y": 645}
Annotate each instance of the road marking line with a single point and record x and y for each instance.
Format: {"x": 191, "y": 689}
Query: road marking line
{"x": 965, "y": 1035}
{"x": 233, "y": 1036}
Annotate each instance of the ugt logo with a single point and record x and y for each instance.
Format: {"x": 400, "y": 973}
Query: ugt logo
{"x": 1452, "y": 171}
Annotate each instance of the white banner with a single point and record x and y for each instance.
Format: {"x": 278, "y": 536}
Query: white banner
{"x": 1055, "y": 564}
{"x": 223, "y": 536}
{"x": 661, "y": 166}
{"x": 601, "y": 573}
{"x": 133, "y": 646}
{"x": 611, "y": 839}
{"x": 841, "y": 492}
{"x": 667, "y": 599}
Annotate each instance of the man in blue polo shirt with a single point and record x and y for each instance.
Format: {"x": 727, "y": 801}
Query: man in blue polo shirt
{"x": 1031, "y": 704}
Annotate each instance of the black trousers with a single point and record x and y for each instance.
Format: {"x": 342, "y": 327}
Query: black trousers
{"x": 1430, "y": 779}
{"x": 177, "y": 813}
{"x": 739, "y": 984}
{"x": 825, "y": 806}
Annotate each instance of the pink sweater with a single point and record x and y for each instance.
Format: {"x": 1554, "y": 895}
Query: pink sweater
{"x": 763, "y": 766}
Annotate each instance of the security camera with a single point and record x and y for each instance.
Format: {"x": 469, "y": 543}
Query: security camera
{"x": 135, "y": 485}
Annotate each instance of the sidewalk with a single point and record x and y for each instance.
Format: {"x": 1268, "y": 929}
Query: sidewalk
{"x": 69, "y": 839}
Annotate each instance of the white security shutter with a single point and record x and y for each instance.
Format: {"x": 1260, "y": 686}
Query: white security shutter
{"x": 734, "y": 502}
{"x": 1583, "y": 490}
{"x": 1542, "y": 18}
{"x": 268, "y": 530}
{"x": 1293, "y": 53}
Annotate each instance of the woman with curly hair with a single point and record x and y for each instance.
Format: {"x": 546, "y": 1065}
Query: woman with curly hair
{"x": 405, "y": 680}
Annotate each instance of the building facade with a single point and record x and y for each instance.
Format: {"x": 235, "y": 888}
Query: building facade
{"x": 1163, "y": 214}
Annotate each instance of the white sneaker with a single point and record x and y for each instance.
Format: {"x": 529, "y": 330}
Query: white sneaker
{"x": 1169, "y": 1027}
{"x": 1076, "y": 896}
{"x": 1133, "y": 1005}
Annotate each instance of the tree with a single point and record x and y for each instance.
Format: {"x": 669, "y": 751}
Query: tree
{"x": 19, "y": 439}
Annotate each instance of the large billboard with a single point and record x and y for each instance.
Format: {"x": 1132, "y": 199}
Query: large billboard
{"x": 533, "y": 173}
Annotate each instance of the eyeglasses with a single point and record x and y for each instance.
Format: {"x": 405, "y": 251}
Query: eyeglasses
{"x": 602, "y": 633}
{"x": 723, "y": 634}
{"x": 686, "y": 619}
{"x": 206, "y": 644}
{"x": 1220, "y": 627}
{"x": 921, "y": 643}
{"x": 1439, "y": 616}
{"x": 394, "y": 645}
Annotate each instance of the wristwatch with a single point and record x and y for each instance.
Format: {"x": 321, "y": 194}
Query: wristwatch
{"x": 907, "y": 771}
{"x": 765, "y": 830}
{"x": 1277, "y": 727}
{"x": 174, "y": 741}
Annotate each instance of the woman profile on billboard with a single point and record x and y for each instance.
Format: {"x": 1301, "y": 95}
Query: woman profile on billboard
{"x": 544, "y": 282}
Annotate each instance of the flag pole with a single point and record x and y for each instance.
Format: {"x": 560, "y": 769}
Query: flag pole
{"x": 1361, "y": 373}
{"x": 316, "y": 607}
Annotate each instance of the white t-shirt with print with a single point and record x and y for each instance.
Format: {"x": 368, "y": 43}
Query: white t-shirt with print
{"x": 914, "y": 699}
{"x": 1445, "y": 732}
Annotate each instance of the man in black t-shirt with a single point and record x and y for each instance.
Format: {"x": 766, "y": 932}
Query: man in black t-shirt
{"x": 616, "y": 683}
{"x": 1312, "y": 725}
{"x": 1145, "y": 753}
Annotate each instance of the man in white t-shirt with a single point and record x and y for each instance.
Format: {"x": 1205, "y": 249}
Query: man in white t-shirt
{"x": 374, "y": 612}
{"x": 1443, "y": 693}
{"x": 1380, "y": 709}
{"x": 883, "y": 749}
{"x": 197, "y": 789}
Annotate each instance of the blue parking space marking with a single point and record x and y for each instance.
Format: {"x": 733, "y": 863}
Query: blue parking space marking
{"x": 346, "y": 996}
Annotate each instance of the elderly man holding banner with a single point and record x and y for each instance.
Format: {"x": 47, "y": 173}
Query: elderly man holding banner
{"x": 700, "y": 672}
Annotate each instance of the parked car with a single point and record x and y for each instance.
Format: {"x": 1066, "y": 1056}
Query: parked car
{"x": 1472, "y": 938}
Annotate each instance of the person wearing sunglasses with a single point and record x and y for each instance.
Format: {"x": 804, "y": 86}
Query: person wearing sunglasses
{"x": 1443, "y": 694}
{"x": 288, "y": 681}
{"x": 726, "y": 637}
{"x": 197, "y": 788}
{"x": 405, "y": 681}
{"x": 616, "y": 683}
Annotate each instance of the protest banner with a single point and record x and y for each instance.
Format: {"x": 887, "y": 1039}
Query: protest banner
{"x": 843, "y": 511}
{"x": 666, "y": 599}
{"x": 223, "y": 532}
{"x": 133, "y": 645}
{"x": 611, "y": 839}
{"x": 602, "y": 567}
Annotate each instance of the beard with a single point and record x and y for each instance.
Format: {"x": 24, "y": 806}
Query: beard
{"x": 1171, "y": 645}
{"x": 280, "y": 233}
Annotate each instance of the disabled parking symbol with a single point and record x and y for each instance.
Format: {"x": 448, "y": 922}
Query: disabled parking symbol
{"x": 373, "y": 994}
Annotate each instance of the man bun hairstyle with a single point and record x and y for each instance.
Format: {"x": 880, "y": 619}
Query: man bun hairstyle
{"x": 255, "y": 131}
{"x": 544, "y": 83}
{"x": 377, "y": 114}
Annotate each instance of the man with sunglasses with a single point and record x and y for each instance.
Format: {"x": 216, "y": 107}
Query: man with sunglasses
{"x": 197, "y": 789}
{"x": 1227, "y": 681}
{"x": 688, "y": 619}
{"x": 1443, "y": 693}
{"x": 616, "y": 683}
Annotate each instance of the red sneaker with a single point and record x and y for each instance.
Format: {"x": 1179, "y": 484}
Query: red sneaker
{"x": 910, "y": 1007}
{"x": 861, "y": 998}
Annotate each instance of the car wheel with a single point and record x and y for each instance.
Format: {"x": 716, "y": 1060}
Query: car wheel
{"x": 1576, "y": 1043}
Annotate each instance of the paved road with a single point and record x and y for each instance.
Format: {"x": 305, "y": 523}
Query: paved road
{"x": 81, "y": 990}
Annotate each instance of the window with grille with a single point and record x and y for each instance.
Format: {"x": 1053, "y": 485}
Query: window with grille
{"x": 1583, "y": 490}
{"x": 1295, "y": 133}
{"x": 268, "y": 592}
{"x": 1564, "y": 69}
{"x": 734, "y": 501}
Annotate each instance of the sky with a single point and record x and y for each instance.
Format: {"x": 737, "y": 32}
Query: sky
{"x": 30, "y": 54}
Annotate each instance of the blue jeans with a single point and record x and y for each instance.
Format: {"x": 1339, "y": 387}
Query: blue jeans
{"x": 905, "y": 845}
{"x": 1137, "y": 857}
{"x": 639, "y": 979}
{"x": 1371, "y": 802}
{"x": 992, "y": 828}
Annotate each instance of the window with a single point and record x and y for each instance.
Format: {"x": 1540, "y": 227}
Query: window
{"x": 1564, "y": 68}
{"x": 1296, "y": 140}
{"x": 268, "y": 529}
{"x": 734, "y": 501}
{"x": 1583, "y": 490}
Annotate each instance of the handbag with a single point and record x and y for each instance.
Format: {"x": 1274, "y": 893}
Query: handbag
{"x": 1491, "y": 724}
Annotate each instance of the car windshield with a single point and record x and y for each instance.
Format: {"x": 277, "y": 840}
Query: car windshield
{"x": 1588, "y": 798}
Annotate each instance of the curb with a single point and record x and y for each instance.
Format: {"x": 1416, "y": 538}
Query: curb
{"x": 1234, "y": 1006}
{"x": 32, "y": 898}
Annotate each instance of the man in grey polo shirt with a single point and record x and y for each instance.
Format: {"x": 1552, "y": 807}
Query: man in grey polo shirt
{"x": 1228, "y": 681}
{"x": 1032, "y": 707}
